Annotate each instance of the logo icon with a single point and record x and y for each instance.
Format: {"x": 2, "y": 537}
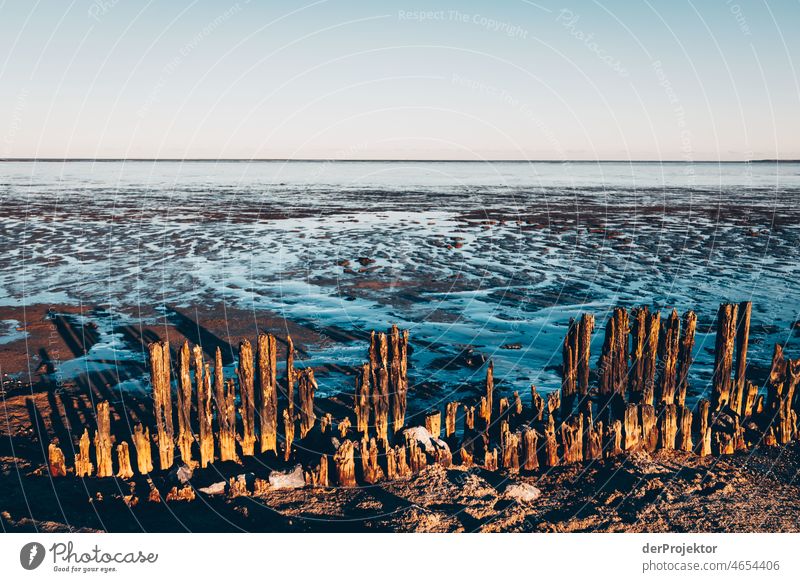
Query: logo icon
{"x": 31, "y": 555}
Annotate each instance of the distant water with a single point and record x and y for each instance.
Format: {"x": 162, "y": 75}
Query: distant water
{"x": 488, "y": 255}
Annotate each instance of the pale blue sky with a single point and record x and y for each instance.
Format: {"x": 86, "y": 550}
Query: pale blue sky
{"x": 340, "y": 79}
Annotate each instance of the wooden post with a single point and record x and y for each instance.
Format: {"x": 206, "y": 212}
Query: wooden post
{"x": 290, "y": 375}
{"x": 306, "y": 386}
{"x": 344, "y": 427}
{"x": 102, "y": 441}
{"x": 380, "y": 404}
{"x": 185, "y": 435}
{"x": 124, "y": 460}
{"x": 632, "y": 431}
{"x": 288, "y": 431}
{"x": 344, "y": 464}
{"x": 398, "y": 376}
{"x": 550, "y": 458}
{"x": 723, "y": 356}
{"x": 202, "y": 376}
{"x": 684, "y": 429}
{"x": 433, "y": 424}
{"x": 417, "y": 460}
{"x": 487, "y": 401}
{"x": 144, "y": 455}
{"x": 647, "y": 415}
{"x": 613, "y": 369}
{"x": 639, "y": 319}
{"x": 613, "y": 444}
{"x": 490, "y": 460}
{"x": 369, "y": 460}
{"x": 569, "y": 368}
{"x": 83, "y": 465}
{"x": 396, "y": 464}
{"x": 318, "y": 477}
{"x": 226, "y": 419}
{"x": 776, "y": 380}
{"x": 57, "y": 463}
{"x": 362, "y": 400}
{"x": 529, "y": 449}
{"x": 668, "y": 352}
{"x": 451, "y": 410}
{"x": 650, "y": 357}
{"x": 572, "y": 439}
{"x": 469, "y": 417}
{"x": 704, "y": 446}
{"x": 685, "y": 356}
{"x": 593, "y": 439}
{"x": 162, "y": 399}
{"x": 742, "y": 337}
{"x": 246, "y": 377}
{"x": 510, "y": 446}
{"x": 668, "y": 427}
{"x": 585, "y": 331}
{"x": 750, "y": 395}
{"x": 267, "y": 363}
{"x": 537, "y": 405}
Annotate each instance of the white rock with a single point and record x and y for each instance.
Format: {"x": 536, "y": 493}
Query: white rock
{"x": 425, "y": 439}
{"x": 522, "y": 492}
{"x": 293, "y": 479}
{"x": 214, "y": 489}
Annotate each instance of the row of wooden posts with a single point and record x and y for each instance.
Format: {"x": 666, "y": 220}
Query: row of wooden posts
{"x": 634, "y": 399}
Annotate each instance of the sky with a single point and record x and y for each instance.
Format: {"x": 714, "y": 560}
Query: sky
{"x": 333, "y": 79}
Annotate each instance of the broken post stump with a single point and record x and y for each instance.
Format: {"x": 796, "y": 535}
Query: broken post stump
{"x": 83, "y": 465}
{"x": 162, "y": 400}
{"x": 669, "y": 345}
{"x": 184, "y": 393}
{"x": 433, "y": 424}
{"x": 362, "y": 400}
{"x": 144, "y": 455}
{"x": 266, "y": 364}
{"x": 344, "y": 464}
{"x": 306, "y": 387}
{"x": 685, "y": 356}
{"x": 102, "y": 441}
{"x": 56, "y": 461}
{"x": 202, "y": 375}
{"x": 124, "y": 461}
{"x": 451, "y": 409}
{"x": 246, "y": 377}
{"x": 723, "y": 356}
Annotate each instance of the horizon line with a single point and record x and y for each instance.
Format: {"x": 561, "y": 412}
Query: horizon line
{"x": 414, "y": 160}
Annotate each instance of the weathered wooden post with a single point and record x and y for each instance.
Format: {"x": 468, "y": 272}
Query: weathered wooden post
{"x": 102, "y": 441}
{"x": 185, "y": 434}
{"x": 572, "y": 439}
{"x": 639, "y": 319}
{"x": 669, "y": 346}
{"x": 144, "y": 455}
{"x": 537, "y": 405}
{"x": 613, "y": 439}
{"x": 613, "y": 365}
{"x": 742, "y": 337}
{"x": 529, "y": 449}
{"x": 451, "y": 410}
{"x": 124, "y": 460}
{"x": 162, "y": 399}
{"x": 267, "y": 362}
{"x": 56, "y": 461}
{"x": 585, "y": 331}
{"x": 685, "y": 356}
{"x": 632, "y": 431}
{"x": 363, "y": 400}
{"x": 398, "y": 375}
{"x": 344, "y": 464}
{"x": 226, "y": 419}
{"x": 288, "y": 432}
{"x": 246, "y": 377}
{"x": 83, "y": 464}
{"x": 380, "y": 404}
{"x": 550, "y": 457}
{"x": 569, "y": 368}
{"x": 290, "y": 375}
{"x": 669, "y": 427}
{"x": 306, "y": 386}
{"x": 469, "y": 417}
{"x": 369, "y": 460}
{"x": 647, "y": 414}
{"x": 704, "y": 426}
{"x": 510, "y": 446}
{"x": 684, "y": 429}
{"x": 433, "y": 424}
{"x": 487, "y": 401}
{"x": 318, "y": 477}
{"x": 202, "y": 376}
{"x": 723, "y": 355}
{"x": 593, "y": 439}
